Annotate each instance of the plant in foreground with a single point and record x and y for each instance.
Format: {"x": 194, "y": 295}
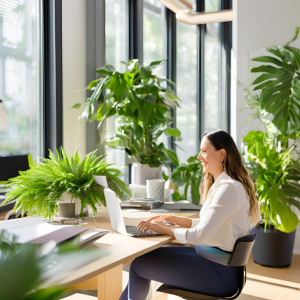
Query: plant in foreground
{"x": 25, "y": 267}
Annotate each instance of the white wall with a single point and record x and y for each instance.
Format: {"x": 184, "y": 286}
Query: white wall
{"x": 258, "y": 24}
{"x": 74, "y": 73}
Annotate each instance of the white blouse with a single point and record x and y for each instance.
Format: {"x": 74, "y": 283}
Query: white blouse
{"x": 223, "y": 216}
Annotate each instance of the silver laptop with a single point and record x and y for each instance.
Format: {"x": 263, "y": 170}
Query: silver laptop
{"x": 116, "y": 218}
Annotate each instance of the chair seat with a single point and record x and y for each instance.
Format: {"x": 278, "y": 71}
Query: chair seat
{"x": 185, "y": 294}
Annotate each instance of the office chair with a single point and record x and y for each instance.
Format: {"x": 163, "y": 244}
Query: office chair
{"x": 9, "y": 168}
{"x": 238, "y": 257}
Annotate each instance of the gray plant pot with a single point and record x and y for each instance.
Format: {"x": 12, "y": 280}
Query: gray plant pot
{"x": 141, "y": 172}
{"x": 273, "y": 249}
{"x": 66, "y": 210}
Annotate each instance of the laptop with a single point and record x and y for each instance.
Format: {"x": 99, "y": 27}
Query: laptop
{"x": 116, "y": 218}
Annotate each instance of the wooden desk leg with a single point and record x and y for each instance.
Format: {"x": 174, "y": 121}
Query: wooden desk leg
{"x": 110, "y": 284}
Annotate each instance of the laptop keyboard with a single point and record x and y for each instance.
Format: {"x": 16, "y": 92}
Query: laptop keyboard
{"x": 134, "y": 231}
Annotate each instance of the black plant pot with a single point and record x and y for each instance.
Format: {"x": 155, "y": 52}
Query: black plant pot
{"x": 273, "y": 249}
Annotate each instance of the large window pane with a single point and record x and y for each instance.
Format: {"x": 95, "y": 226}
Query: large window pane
{"x": 21, "y": 76}
{"x": 212, "y": 53}
{"x": 116, "y": 50}
{"x": 153, "y": 33}
{"x": 186, "y": 88}
{"x": 116, "y": 33}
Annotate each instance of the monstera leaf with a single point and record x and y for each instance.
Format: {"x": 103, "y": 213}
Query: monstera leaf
{"x": 280, "y": 87}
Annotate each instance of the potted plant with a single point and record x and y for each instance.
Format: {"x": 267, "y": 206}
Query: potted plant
{"x": 40, "y": 189}
{"x": 188, "y": 175}
{"x": 39, "y": 268}
{"x": 271, "y": 154}
{"x": 143, "y": 104}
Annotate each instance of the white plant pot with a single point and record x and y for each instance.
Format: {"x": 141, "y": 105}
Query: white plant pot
{"x": 140, "y": 173}
{"x": 101, "y": 180}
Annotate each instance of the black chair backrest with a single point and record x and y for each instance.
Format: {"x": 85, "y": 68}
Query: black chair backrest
{"x": 241, "y": 250}
{"x": 11, "y": 165}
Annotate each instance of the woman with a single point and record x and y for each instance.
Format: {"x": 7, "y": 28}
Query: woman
{"x": 229, "y": 208}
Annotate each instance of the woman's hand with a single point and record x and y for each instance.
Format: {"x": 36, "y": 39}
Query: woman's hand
{"x": 145, "y": 225}
{"x": 164, "y": 229}
{"x": 180, "y": 221}
{"x": 160, "y": 218}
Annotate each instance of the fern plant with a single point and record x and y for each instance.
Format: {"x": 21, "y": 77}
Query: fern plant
{"x": 39, "y": 189}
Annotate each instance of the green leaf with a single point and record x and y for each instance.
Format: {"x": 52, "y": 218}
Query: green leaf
{"x": 177, "y": 197}
{"x": 51, "y": 293}
{"x": 288, "y": 219}
{"x": 145, "y": 73}
{"x": 268, "y": 59}
{"x": 169, "y": 98}
{"x": 120, "y": 85}
{"x": 77, "y": 105}
{"x": 172, "y": 132}
{"x": 93, "y": 83}
{"x": 280, "y": 93}
{"x": 98, "y": 90}
{"x": 172, "y": 156}
{"x": 106, "y": 70}
{"x": 168, "y": 80}
{"x": 157, "y": 63}
{"x": 164, "y": 176}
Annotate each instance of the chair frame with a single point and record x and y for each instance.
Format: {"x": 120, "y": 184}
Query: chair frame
{"x": 239, "y": 257}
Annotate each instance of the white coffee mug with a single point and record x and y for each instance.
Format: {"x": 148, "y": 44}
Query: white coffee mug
{"x": 155, "y": 188}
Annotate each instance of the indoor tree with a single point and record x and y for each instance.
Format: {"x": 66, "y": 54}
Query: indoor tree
{"x": 271, "y": 154}
{"x": 142, "y": 101}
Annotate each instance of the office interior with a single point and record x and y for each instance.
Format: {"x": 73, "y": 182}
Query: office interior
{"x": 49, "y": 51}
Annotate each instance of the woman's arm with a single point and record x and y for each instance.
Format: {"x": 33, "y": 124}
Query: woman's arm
{"x": 223, "y": 204}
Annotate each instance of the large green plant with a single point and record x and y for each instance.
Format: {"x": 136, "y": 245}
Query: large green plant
{"x": 25, "y": 267}
{"x": 271, "y": 154}
{"x": 188, "y": 175}
{"x": 39, "y": 189}
{"x": 142, "y": 100}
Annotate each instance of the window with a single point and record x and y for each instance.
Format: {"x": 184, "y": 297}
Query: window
{"x": 21, "y": 76}
{"x": 153, "y": 33}
{"x": 212, "y": 54}
{"x": 116, "y": 33}
{"x": 186, "y": 88}
{"x": 116, "y": 50}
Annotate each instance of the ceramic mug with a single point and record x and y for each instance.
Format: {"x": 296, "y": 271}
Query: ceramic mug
{"x": 155, "y": 188}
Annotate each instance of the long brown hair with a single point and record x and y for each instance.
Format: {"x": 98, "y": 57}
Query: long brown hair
{"x": 233, "y": 166}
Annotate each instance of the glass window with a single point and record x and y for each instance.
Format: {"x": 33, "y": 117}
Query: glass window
{"x": 186, "y": 88}
{"x": 153, "y": 33}
{"x": 21, "y": 77}
{"x": 212, "y": 54}
{"x": 116, "y": 50}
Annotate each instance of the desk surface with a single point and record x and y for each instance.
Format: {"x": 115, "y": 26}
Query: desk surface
{"x": 116, "y": 248}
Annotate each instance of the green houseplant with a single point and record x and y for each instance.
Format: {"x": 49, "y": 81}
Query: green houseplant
{"x": 39, "y": 189}
{"x": 25, "y": 267}
{"x": 142, "y": 101}
{"x": 187, "y": 175}
{"x": 271, "y": 154}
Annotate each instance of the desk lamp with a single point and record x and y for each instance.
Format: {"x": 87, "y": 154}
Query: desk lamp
{"x": 3, "y": 117}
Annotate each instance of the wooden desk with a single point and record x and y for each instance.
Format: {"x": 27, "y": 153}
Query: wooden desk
{"x": 116, "y": 250}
